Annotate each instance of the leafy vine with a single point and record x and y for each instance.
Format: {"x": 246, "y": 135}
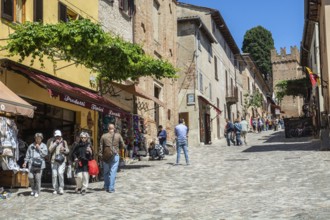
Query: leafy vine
{"x": 86, "y": 43}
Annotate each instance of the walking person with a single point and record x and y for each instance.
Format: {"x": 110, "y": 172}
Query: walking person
{"x": 35, "y": 155}
{"x": 181, "y": 133}
{"x": 82, "y": 153}
{"x": 229, "y": 132}
{"x": 238, "y": 129}
{"x": 162, "y": 136}
{"x": 245, "y": 129}
{"x": 110, "y": 144}
{"x": 58, "y": 150}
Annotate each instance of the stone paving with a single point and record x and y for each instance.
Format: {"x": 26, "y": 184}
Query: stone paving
{"x": 271, "y": 178}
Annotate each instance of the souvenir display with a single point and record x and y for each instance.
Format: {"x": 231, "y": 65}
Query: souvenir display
{"x": 9, "y": 144}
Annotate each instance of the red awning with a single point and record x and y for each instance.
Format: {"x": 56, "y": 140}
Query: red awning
{"x": 69, "y": 92}
{"x": 135, "y": 90}
{"x": 12, "y": 103}
{"x": 210, "y": 103}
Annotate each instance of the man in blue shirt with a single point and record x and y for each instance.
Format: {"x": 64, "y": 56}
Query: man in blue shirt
{"x": 162, "y": 136}
{"x": 181, "y": 133}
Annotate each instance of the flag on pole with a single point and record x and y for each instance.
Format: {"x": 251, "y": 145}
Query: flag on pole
{"x": 314, "y": 78}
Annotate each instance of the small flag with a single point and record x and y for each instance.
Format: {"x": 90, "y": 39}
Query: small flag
{"x": 314, "y": 78}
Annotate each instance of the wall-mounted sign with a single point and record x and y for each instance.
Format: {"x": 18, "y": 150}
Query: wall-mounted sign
{"x": 190, "y": 99}
{"x": 277, "y": 111}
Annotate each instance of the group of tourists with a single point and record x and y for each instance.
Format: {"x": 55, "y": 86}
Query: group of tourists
{"x": 58, "y": 151}
{"x": 110, "y": 145}
{"x": 238, "y": 130}
{"x": 260, "y": 124}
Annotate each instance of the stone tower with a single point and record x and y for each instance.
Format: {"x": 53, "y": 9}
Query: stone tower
{"x": 287, "y": 66}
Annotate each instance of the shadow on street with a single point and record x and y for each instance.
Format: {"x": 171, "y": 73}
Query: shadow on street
{"x": 127, "y": 167}
{"x": 284, "y": 144}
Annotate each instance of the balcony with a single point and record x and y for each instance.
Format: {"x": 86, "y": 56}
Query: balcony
{"x": 232, "y": 96}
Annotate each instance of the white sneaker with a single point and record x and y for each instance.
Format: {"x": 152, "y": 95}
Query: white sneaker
{"x": 36, "y": 195}
{"x": 61, "y": 192}
{"x": 55, "y": 192}
{"x": 32, "y": 193}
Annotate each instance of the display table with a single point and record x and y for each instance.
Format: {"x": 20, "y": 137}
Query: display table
{"x": 10, "y": 179}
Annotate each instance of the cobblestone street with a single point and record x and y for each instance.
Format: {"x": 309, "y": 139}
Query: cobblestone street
{"x": 271, "y": 178}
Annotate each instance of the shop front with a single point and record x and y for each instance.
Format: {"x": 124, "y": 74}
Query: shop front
{"x": 11, "y": 107}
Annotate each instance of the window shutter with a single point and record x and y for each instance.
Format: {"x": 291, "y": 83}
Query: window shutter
{"x": 38, "y": 11}
{"x": 7, "y": 9}
{"x": 62, "y": 12}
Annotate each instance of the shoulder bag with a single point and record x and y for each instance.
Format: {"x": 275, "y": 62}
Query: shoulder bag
{"x": 109, "y": 151}
{"x": 36, "y": 162}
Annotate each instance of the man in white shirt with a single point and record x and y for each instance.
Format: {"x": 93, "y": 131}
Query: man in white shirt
{"x": 245, "y": 129}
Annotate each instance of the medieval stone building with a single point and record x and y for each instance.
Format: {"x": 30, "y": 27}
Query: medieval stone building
{"x": 287, "y": 66}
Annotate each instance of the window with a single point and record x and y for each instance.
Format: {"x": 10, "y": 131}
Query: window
{"x": 7, "y": 9}
{"x": 38, "y": 11}
{"x": 210, "y": 91}
{"x": 65, "y": 14}
{"x": 210, "y": 52}
{"x": 13, "y": 10}
{"x": 201, "y": 82}
{"x": 199, "y": 41}
{"x": 155, "y": 20}
{"x": 226, "y": 83}
{"x": 216, "y": 68}
{"x": 127, "y": 7}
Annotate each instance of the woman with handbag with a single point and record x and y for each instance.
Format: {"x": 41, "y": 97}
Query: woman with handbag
{"x": 58, "y": 150}
{"x": 81, "y": 155}
{"x": 35, "y": 158}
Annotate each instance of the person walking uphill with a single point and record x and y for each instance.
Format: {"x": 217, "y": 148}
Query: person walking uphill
{"x": 58, "y": 149}
{"x": 35, "y": 158}
{"x": 181, "y": 133}
{"x": 81, "y": 154}
{"x": 110, "y": 144}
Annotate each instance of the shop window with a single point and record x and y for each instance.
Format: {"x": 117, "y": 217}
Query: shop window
{"x": 38, "y": 11}
{"x": 13, "y": 10}
{"x": 65, "y": 14}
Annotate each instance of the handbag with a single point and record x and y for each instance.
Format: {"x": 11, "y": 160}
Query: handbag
{"x": 59, "y": 158}
{"x": 36, "y": 162}
{"x": 93, "y": 168}
{"x": 109, "y": 152}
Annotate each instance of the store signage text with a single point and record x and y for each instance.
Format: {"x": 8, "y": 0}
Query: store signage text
{"x": 69, "y": 99}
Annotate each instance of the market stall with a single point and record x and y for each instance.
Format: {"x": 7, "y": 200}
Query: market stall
{"x": 11, "y": 105}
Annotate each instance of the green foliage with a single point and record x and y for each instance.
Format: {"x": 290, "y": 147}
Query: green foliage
{"x": 85, "y": 43}
{"x": 259, "y": 42}
{"x": 254, "y": 100}
{"x": 292, "y": 87}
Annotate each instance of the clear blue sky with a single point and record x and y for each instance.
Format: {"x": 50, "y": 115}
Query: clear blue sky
{"x": 283, "y": 18}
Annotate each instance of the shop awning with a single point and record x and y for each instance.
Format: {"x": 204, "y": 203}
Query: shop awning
{"x": 68, "y": 92}
{"x": 211, "y": 104}
{"x": 12, "y": 103}
{"x": 135, "y": 90}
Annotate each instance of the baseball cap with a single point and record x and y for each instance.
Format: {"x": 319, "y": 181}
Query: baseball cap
{"x": 58, "y": 133}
